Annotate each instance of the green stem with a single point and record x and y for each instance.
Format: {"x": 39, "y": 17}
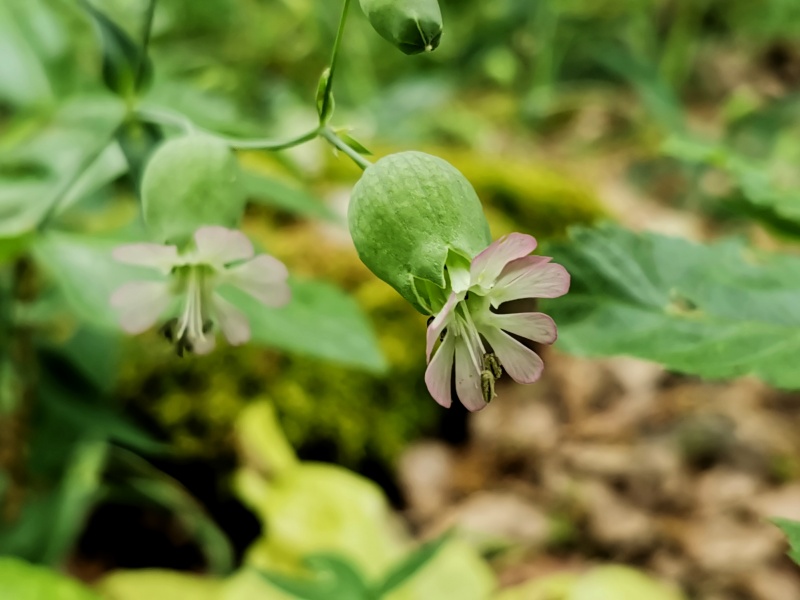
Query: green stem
{"x": 162, "y": 117}
{"x": 146, "y": 31}
{"x": 337, "y": 142}
{"x": 334, "y": 56}
{"x": 62, "y": 192}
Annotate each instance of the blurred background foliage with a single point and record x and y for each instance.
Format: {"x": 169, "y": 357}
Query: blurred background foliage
{"x": 128, "y": 457}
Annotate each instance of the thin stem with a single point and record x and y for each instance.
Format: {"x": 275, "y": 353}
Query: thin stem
{"x": 337, "y": 142}
{"x": 334, "y": 56}
{"x": 62, "y": 192}
{"x": 170, "y": 119}
{"x": 146, "y": 31}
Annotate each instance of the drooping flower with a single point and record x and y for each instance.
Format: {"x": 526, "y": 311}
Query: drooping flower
{"x": 476, "y": 339}
{"x": 188, "y": 295}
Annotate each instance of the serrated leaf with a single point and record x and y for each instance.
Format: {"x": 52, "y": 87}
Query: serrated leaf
{"x": 792, "y": 531}
{"x": 126, "y": 69}
{"x": 274, "y": 192}
{"x": 717, "y": 311}
{"x": 320, "y": 321}
{"x": 409, "y": 567}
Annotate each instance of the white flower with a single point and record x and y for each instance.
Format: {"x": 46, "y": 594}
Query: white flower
{"x": 219, "y": 256}
{"x": 476, "y": 340}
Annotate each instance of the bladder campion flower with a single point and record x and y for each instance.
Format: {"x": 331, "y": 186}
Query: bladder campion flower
{"x": 476, "y": 339}
{"x": 218, "y": 256}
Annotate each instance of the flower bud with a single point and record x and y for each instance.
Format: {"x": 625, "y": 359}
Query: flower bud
{"x": 414, "y": 26}
{"x": 191, "y": 182}
{"x": 411, "y": 214}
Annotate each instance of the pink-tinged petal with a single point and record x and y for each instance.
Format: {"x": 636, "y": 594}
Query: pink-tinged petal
{"x": 232, "y": 321}
{"x": 532, "y": 326}
{"x": 440, "y": 370}
{"x": 519, "y": 361}
{"x": 468, "y": 377}
{"x": 156, "y": 256}
{"x": 264, "y": 278}
{"x": 205, "y": 345}
{"x": 218, "y": 246}
{"x": 140, "y": 304}
{"x": 487, "y": 266}
{"x": 530, "y": 277}
{"x": 438, "y": 324}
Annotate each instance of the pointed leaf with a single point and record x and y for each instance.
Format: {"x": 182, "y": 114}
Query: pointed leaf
{"x": 717, "y": 311}
{"x": 409, "y": 567}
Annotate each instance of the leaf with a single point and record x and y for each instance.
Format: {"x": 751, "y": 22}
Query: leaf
{"x": 143, "y": 481}
{"x": 158, "y": 584}
{"x": 320, "y": 321}
{"x": 44, "y": 162}
{"x": 353, "y": 143}
{"x": 20, "y": 580}
{"x": 138, "y": 140}
{"x": 79, "y": 491}
{"x": 717, "y": 311}
{"x": 407, "y": 568}
{"x": 126, "y": 70}
{"x": 274, "y": 192}
{"x": 792, "y": 531}
{"x": 86, "y": 273}
{"x": 334, "y": 577}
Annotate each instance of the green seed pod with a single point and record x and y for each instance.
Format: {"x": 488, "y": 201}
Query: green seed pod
{"x": 189, "y": 182}
{"x": 414, "y": 26}
{"x": 411, "y": 213}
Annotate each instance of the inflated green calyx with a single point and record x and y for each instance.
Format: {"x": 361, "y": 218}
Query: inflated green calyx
{"x": 189, "y": 182}
{"x": 409, "y": 215}
{"x": 414, "y": 26}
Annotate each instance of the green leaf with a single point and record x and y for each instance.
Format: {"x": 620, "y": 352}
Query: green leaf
{"x": 354, "y": 143}
{"x": 44, "y": 164}
{"x": 22, "y": 581}
{"x": 126, "y": 70}
{"x": 141, "y": 481}
{"x": 274, "y": 192}
{"x": 191, "y": 181}
{"x": 86, "y": 273}
{"x": 325, "y": 102}
{"x": 79, "y": 491}
{"x": 320, "y": 321}
{"x": 717, "y": 311}
{"x": 158, "y": 584}
{"x": 792, "y": 531}
{"x": 334, "y": 577}
{"x": 409, "y": 567}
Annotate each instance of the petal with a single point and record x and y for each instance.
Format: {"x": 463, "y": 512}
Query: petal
{"x": 232, "y": 321}
{"x": 439, "y": 323}
{"x": 140, "y": 304}
{"x": 522, "y": 363}
{"x": 487, "y": 266}
{"x": 440, "y": 370}
{"x": 468, "y": 377}
{"x": 264, "y": 278}
{"x": 218, "y": 246}
{"x": 530, "y": 277}
{"x": 533, "y": 326}
{"x": 156, "y": 256}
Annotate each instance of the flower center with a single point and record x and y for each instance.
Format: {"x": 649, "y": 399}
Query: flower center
{"x": 189, "y": 329}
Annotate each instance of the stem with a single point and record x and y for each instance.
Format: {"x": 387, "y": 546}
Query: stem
{"x": 170, "y": 119}
{"x": 334, "y": 56}
{"x": 69, "y": 184}
{"x": 146, "y": 30}
{"x": 337, "y": 142}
